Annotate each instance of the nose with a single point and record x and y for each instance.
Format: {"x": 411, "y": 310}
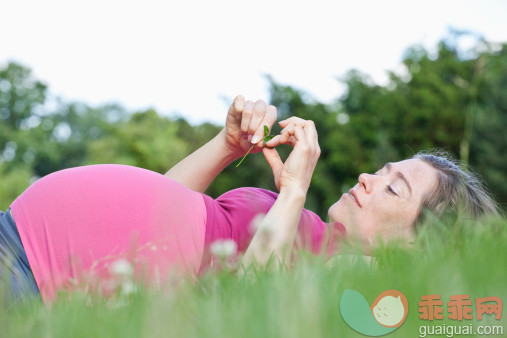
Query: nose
{"x": 367, "y": 181}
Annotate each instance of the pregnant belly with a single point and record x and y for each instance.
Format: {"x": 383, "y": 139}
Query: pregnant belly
{"x": 75, "y": 223}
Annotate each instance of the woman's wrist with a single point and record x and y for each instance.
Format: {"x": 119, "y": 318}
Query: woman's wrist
{"x": 295, "y": 193}
{"x": 290, "y": 205}
{"x": 227, "y": 150}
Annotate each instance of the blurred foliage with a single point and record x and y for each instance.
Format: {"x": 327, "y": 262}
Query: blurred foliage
{"x": 449, "y": 99}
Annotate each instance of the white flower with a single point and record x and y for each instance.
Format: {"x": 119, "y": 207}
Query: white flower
{"x": 128, "y": 287}
{"x": 122, "y": 267}
{"x": 224, "y": 248}
{"x": 259, "y": 224}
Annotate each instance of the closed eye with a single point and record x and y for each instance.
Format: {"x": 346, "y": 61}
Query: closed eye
{"x": 388, "y": 187}
{"x": 390, "y": 190}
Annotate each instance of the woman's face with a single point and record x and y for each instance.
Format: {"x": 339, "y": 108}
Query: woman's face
{"x": 386, "y": 203}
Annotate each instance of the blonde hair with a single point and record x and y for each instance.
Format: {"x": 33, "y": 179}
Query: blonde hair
{"x": 459, "y": 191}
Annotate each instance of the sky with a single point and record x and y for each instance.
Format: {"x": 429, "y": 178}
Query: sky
{"x": 191, "y": 58}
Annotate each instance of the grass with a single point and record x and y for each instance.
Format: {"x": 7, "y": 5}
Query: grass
{"x": 470, "y": 259}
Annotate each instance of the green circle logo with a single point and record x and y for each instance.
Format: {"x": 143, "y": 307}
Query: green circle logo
{"x": 387, "y": 312}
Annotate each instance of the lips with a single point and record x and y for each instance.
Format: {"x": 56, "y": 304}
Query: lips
{"x": 353, "y": 194}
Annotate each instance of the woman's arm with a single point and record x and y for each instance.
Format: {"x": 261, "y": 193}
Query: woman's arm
{"x": 245, "y": 121}
{"x": 199, "y": 169}
{"x": 276, "y": 233}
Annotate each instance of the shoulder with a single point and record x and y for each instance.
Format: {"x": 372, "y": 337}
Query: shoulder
{"x": 249, "y": 192}
{"x": 257, "y": 199}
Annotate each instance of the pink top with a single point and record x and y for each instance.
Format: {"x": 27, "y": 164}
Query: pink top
{"x": 230, "y": 217}
{"x": 76, "y": 222}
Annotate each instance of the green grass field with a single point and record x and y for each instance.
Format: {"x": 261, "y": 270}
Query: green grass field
{"x": 471, "y": 259}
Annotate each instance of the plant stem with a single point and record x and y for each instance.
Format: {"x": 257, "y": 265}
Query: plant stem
{"x": 245, "y": 156}
{"x": 266, "y": 138}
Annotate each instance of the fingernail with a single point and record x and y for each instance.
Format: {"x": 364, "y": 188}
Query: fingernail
{"x": 255, "y": 139}
{"x": 249, "y": 138}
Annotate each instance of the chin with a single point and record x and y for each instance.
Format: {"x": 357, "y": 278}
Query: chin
{"x": 334, "y": 212}
{"x": 343, "y": 212}
{"x": 330, "y": 216}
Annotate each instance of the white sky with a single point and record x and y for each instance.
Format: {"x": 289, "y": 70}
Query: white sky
{"x": 186, "y": 56}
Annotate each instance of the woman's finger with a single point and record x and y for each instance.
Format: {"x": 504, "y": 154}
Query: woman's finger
{"x": 237, "y": 107}
{"x": 311, "y": 131}
{"x": 246, "y": 116}
{"x": 277, "y": 140}
{"x": 312, "y": 139}
{"x": 274, "y": 160}
{"x": 274, "y": 141}
{"x": 300, "y": 135}
{"x": 287, "y": 133}
{"x": 258, "y": 112}
{"x": 287, "y": 136}
{"x": 268, "y": 121}
{"x": 292, "y": 119}
{"x": 308, "y": 126}
{"x": 284, "y": 137}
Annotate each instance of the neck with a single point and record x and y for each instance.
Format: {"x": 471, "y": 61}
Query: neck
{"x": 333, "y": 238}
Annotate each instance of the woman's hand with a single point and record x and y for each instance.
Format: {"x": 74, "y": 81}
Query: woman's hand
{"x": 292, "y": 179}
{"x": 296, "y": 173}
{"x": 199, "y": 169}
{"x": 245, "y": 123}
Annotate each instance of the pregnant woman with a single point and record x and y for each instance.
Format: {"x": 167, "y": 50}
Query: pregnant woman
{"x": 69, "y": 227}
